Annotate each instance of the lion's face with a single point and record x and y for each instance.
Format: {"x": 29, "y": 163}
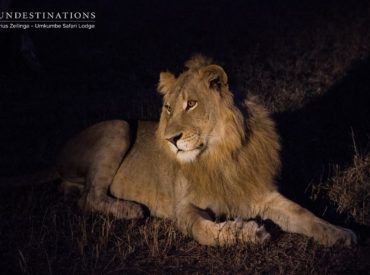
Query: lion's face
{"x": 191, "y": 111}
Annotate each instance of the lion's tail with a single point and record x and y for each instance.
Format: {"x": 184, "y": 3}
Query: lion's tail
{"x": 37, "y": 178}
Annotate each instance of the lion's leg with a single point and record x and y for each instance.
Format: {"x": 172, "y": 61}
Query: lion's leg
{"x": 293, "y": 218}
{"x": 98, "y": 200}
{"x": 198, "y": 224}
{"x": 107, "y": 159}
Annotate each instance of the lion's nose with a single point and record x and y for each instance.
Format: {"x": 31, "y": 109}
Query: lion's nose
{"x": 174, "y": 139}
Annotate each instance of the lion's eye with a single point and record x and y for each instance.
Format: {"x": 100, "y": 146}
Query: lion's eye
{"x": 191, "y": 104}
{"x": 168, "y": 108}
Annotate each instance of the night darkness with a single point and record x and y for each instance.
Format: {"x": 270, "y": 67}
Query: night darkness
{"x": 308, "y": 63}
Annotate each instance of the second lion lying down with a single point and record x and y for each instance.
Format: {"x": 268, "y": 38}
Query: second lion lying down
{"x": 206, "y": 157}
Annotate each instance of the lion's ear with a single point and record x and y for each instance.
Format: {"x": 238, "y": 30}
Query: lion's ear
{"x": 215, "y": 76}
{"x": 166, "y": 82}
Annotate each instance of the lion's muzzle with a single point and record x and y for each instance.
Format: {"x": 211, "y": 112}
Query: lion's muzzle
{"x": 174, "y": 138}
{"x": 186, "y": 146}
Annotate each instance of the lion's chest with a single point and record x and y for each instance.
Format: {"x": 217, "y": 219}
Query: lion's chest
{"x": 217, "y": 195}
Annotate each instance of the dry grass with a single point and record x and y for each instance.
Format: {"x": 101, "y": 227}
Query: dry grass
{"x": 348, "y": 189}
{"x": 50, "y": 236}
{"x": 305, "y": 66}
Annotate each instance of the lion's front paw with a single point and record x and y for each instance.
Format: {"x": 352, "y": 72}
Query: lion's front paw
{"x": 262, "y": 236}
{"x": 343, "y": 236}
{"x": 251, "y": 231}
{"x": 328, "y": 235}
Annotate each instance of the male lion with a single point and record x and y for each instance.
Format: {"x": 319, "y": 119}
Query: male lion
{"x": 205, "y": 158}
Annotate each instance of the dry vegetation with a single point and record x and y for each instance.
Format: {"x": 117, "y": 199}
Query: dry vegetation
{"x": 291, "y": 70}
{"x": 348, "y": 189}
{"x": 54, "y": 238}
{"x": 303, "y": 66}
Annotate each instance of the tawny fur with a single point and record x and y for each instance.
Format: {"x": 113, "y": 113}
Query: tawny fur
{"x": 206, "y": 157}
